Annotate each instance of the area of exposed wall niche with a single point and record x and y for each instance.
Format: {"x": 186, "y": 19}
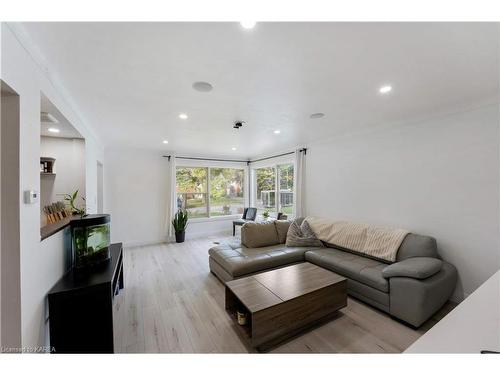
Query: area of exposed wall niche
{"x": 62, "y": 163}
{"x": 10, "y": 250}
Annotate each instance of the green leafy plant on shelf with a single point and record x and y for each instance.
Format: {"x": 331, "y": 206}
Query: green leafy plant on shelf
{"x": 266, "y": 214}
{"x": 71, "y": 199}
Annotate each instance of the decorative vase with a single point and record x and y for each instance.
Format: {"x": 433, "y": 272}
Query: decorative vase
{"x": 180, "y": 236}
{"x": 242, "y": 318}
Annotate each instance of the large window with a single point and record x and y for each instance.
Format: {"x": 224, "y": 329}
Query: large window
{"x": 266, "y": 189}
{"x": 192, "y": 190}
{"x": 274, "y": 189}
{"x": 285, "y": 178}
{"x": 224, "y": 184}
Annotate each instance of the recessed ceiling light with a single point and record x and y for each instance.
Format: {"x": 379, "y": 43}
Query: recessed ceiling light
{"x": 248, "y": 24}
{"x": 53, "y": 130}
{"x": 233, "y": 148}
{"x": 202, "y": 86}
{"x": 277, "y": 131}
{"x": 48, "y": 118}
{"x": 385, "y": 89}
{"x": 165, "y": 141}
{"x": 183, "y": 116}
{"x": 317, "y": 115}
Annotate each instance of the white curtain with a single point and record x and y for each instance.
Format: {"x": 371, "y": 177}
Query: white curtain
{"x": 300, "y": 173}
{"x": 171, "y": 198}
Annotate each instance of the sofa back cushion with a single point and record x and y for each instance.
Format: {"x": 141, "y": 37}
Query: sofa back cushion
{"x": 259, "y": 234}
{"x": 416, "y": 245}
{"x": 282, "y": 229}
{"x": 413, "y": 245}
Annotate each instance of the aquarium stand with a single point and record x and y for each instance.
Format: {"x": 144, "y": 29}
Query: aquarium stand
{"x": 81, "y": 307}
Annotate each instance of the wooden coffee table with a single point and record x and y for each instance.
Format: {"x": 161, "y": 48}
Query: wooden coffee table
{"x": 282, "y": 302}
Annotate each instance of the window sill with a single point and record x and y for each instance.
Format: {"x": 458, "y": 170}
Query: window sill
{"x": 215, "y": 218}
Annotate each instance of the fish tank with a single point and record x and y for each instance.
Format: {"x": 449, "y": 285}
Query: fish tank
{"x": 90, "y": 240}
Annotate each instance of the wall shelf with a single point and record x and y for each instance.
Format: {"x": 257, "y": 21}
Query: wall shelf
{"x": 47, "y": 166}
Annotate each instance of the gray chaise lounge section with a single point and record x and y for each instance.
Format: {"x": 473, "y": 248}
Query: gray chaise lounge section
{"x": 412, "y": 289}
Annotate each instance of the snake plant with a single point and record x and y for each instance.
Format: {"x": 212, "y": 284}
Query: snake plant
{"x": 180, "y": 221}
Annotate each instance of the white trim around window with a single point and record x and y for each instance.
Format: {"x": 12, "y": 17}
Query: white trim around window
{"x": 186, "y": 163}
{"x": 271, "y": 163}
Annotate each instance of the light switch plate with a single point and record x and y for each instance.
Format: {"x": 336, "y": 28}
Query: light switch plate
{"x": 30, "y": 196}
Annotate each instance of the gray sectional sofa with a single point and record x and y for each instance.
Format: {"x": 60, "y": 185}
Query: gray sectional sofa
{"x": 411, "y": 289}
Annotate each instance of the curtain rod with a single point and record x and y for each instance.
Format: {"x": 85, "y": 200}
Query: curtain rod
{"x": 304, "y": 150}
{"x": 206, "y": 159}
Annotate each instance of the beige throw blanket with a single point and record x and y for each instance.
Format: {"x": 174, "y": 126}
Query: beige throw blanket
{"x": 375, "y": 241}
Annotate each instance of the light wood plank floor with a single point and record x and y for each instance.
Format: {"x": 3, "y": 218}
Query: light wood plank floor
{"x": 173, "y": 304}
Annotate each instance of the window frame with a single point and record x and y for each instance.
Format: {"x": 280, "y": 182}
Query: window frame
{"x": 273, "y": 163}
{"x": 214, "y": 164}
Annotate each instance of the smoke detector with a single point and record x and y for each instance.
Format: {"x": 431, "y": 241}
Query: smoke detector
{"x": 238, "y": 124}
{"x": 46, "y": 117}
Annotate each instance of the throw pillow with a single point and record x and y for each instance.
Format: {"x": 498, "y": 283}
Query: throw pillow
{"x": 300, "y": 234}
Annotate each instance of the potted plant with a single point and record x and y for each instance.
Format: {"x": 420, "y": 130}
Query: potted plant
{"x": 75, "y": 210}
{"x": 265, "y": 214}
{"x": 180, "y": 223}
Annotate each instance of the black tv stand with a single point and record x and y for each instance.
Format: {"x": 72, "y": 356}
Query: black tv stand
{"x": 81, "y": 307}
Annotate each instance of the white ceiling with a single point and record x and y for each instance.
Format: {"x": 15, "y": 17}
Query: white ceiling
{"x": 131, "y": 80}
{"x": 66, "y": 130}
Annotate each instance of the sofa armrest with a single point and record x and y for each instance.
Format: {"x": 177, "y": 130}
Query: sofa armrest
{"x": 416, "y": 268}
{"x": 414, "y": 301}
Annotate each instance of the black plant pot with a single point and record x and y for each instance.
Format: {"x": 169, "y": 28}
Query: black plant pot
{"x": 180, "y": 236}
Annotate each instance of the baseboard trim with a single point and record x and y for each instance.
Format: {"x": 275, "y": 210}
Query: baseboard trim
{"x": 189, "y": 236}
{"x": 458, "y": 298}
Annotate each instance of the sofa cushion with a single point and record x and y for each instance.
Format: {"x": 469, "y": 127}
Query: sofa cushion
{"x": 364, "y": 270}
{"x": 282, "y": 229}
{"x": 242, "y": 261}
{"x": 259, "y": 234}
{"x": 416, "y": 245}
{"x": 300, "y": 234}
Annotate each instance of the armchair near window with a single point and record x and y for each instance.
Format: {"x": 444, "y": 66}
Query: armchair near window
{"x": 281, "y": 216}
{"x": 249, "y": 214}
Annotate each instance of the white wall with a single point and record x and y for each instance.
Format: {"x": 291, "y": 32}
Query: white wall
{"x": 10, "y": 257}
{"x": 135, "y": 196}
{"x": 439, "y": 177}
{"x": 42, "y": 263}
{"x": 69, "y": 168}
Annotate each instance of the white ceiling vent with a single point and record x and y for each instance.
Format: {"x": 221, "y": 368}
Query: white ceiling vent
{"x": 48, "y": 118}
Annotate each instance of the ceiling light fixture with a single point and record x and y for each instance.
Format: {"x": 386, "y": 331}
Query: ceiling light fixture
{"x": 385, "y": 89}
{"x": 277, "y": 131}
{"x": 165, "y": 141}
{"x": 202, "y": 86}
{"x": 248, "y": 24}
{"x": 53, "y": 130}
{"x": 183, "y": 116}
{"x": 317, "y": 115}
{"x": 233, "y": 148}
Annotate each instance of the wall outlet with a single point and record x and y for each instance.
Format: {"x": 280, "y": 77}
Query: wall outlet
{"x": 31, "y": 196}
